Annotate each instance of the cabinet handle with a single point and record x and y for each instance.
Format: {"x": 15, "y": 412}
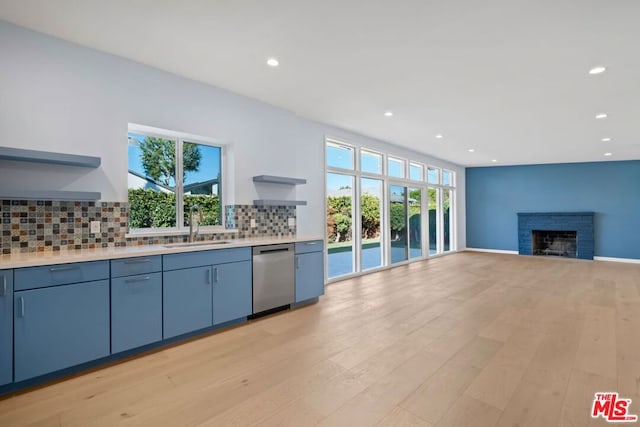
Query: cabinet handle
{"x": 4, "y": 286}
{"x": 137, "y": 261}
{"x": 312, "y": 243}
{"x": 216, "y": 275}
{"x": 208, "y": 276}
{"x": 21, "y": 307}
{"x": 297, "y": 262}
{"x": 58, "y": 269}
{"x": 138, "y": 279}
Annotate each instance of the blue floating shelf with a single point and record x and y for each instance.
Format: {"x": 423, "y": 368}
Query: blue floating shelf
{"x": 50, "y": 195}
{"x": 34, "y": 156}
{"x": 264, "y": 202}
{"x": 271, "y": 179}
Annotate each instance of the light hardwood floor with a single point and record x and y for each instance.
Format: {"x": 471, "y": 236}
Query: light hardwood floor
{"x": 467, "y": 339}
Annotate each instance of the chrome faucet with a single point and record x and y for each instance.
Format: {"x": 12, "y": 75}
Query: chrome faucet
{"x": 194, "y": 235}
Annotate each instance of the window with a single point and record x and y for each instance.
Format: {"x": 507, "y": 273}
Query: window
{"x": 163, "y": 187}
{"x": 395, "y": 167}
{"x": 447, "y": 177}
{"x": 415, "y": 172}
{"x": 433, "y": 175}
{"x": 339, "y": 156}
{"x": 370, "y": 162}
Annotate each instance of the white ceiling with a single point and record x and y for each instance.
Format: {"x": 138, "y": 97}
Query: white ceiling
{"x": 508, "y": 78}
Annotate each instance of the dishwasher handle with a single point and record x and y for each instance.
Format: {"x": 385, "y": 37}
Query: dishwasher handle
{"x": 269, "y": 249}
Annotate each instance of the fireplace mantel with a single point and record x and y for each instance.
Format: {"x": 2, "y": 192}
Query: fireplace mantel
{"x": 580, "y": 222}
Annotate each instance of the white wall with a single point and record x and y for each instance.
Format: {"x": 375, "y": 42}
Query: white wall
{"x": 61, "y": 97}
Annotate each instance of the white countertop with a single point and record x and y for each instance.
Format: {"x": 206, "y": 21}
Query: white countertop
{"x": 81, "y": 255}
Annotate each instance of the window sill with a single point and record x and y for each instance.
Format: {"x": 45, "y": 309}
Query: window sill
{"x": 160, "y": 232}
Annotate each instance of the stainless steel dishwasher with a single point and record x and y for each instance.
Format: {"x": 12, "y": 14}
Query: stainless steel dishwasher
{"x": 273, "y": 277}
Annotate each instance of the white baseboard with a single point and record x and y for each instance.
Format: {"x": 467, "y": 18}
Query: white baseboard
{"x": 625, "y": 260}
{"x": 492, "y": 251}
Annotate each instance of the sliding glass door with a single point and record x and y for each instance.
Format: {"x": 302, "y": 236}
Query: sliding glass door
{"x": 398, "y": 204}
{"x": 370, "y": 222}
{"x": 384, "y": 209}
{"x": 434, "y": 220}
{"x": 340, "y": 196}
{"x": 415, "y": 222}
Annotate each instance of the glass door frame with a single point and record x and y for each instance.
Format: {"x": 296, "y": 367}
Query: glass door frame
{"x": 385, "y": 243}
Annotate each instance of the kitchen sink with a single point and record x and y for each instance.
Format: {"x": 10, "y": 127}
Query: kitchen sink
{"x": 191, "y": 244}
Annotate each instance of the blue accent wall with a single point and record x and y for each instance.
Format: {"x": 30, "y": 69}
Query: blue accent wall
{"x": 494, "y": 196}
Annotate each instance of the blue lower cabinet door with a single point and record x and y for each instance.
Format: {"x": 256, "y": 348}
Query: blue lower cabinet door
{"x": 136, "y": 311}
{"x": 309, "y": 275}
{"x": 6, "y": 326}
{"x": 231, "y": 291}
{"x": 186, "y": 300}
{"x": 59, "y": 327}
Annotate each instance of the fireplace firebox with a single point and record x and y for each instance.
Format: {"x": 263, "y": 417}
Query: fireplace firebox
{"x": 554, "y": 243}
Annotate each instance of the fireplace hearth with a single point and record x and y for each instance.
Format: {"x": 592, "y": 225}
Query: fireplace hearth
{"x": 554, "y": 243}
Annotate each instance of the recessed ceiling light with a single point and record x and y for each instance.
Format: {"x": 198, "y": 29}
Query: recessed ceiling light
{"x": 471, "y": 150}
{"x": 601, "y": 116}
{"x": 608, "y": 154}
{"x": 273, "y": 62}
{"x": 597, "y": 70}
{"x": 439, "y": 136}
{"x": 494, "y": 160}
{"x": 388, "y": 113}
{"x": 606, "y": 139}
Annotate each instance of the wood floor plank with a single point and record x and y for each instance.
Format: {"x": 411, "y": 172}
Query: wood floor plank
{"x": 466, "y": 339}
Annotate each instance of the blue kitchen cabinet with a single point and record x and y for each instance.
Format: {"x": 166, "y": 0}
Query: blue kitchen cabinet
{"x": 6, "y": 326}
{"x": 60, "y": 326}
{"x": 309, "y": 270}
{"x": 231, "y": 291}
{"x": 204, "y": 288}
{"x": 136, "y": 311}
{"x": 187, "y": 300}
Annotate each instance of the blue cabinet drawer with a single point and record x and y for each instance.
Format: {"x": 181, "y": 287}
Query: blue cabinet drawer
{"x": 136, "y": 266}
{"x": 203, "y": 258}
{"x": 60, "y": 327}
{"x": 310, "y": 246}
{"x": 136, "y": 311}
{"x": 61, "y": 274}
{"x": 6, "y": 327}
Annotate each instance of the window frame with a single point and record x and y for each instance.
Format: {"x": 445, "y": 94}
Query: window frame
{"x": 179, "y": 138}
{"x": 405, "y": 166}
{"x": 422, "y": 170}
{"x": 355, "y": 161}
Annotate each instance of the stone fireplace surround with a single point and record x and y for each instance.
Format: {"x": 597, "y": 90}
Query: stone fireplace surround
{"x": 580, "y": 222}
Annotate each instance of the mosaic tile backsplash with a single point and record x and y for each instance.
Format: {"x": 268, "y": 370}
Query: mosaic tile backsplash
{"x": 40, "y": 226}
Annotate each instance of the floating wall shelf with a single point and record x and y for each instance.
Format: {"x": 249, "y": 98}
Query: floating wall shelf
{"x": 271, "y": 179}
{"x": 283, "y": 180}
{"x": 34, "y": 156}
{"x": 49, "y": 195}
{"x": 264, "y": 202}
